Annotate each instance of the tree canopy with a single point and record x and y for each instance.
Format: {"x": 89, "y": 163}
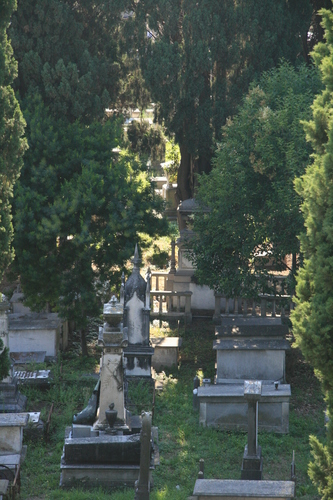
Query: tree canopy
{"x": 313, "y": 316}
{"x": 12, "y": 144}
{"x": 198, "y": 60}
{"x": 254, "y": 212}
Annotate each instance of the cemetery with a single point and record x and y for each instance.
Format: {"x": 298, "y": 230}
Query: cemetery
{"x": 254, "y": 366}
{"x": 166, "y": 271}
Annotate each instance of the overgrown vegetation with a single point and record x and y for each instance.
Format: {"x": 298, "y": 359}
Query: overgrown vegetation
{"x": 182, "y": 441}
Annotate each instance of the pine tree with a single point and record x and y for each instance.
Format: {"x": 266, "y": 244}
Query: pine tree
{"x": 12, "y": 144}
{"x": 79, "y": 209}
{"x": 313, "y": 316}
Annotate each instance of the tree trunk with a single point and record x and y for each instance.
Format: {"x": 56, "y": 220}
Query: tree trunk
{"x": 184, "y": 191}
{"x": 84, "y": 347}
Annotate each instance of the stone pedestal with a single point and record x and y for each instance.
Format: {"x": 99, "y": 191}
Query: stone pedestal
{"x": 113, "y": 339}
{"x": 252, "y": 459}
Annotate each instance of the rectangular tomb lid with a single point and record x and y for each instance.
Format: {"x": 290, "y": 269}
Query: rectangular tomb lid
{"x": 14, "y": 419}
{"x": 251, "y": 344}
{"x": 244, "y": 489}
{"x": 251, "y": 327}
{"x": 237, "y": 390}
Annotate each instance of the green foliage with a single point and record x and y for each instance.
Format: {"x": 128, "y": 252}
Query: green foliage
{"x": 146, "y": 140}
{"x": 172, "y": 155}
{"x": 78, "y": 210}
{"x": 68, "y": 53}
{"x": 12, "y": 144}
{"x": 200, "y": 58}
{"x": 78, "y": 213}
{"x": 313, "y": 317}
{"x": 253, "y": 212}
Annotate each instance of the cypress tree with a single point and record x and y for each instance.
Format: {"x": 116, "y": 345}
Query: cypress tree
{"x": 313, "y": 316}
{"x": 12, "y": 143}
{"x": 198, "y": 59}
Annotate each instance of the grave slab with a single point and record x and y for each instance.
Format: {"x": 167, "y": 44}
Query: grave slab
{"x": 206, "y": 489}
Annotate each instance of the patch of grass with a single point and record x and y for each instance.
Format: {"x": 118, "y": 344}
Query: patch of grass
{"x": 182, "y": 441}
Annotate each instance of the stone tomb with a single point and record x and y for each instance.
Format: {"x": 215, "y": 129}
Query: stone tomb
{"x": 248, "y": 348}
{"x": 98, "y": 458}
{"x": 251, "y": 348}
{"x": 166, "y": 352}
{"x": 11, "y": 432}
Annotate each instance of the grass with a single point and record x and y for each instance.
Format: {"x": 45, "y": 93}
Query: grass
{"x": 182, "y": 441}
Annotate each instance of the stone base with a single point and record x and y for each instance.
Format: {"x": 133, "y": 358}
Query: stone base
{"x": 252, "y": 466}
{"x": 220, "y": 489}
{"x": 100, "y": 475}
{"x": 224, "y": 407}
{"x": 166, "y": 352}
{"x": 11, "y": 400}
{"x": 103, "y": 460}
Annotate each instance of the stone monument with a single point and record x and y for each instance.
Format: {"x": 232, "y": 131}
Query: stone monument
{"x": 113, "y": 339}
{"x": 138, "y": 354}
{"x": 248, "y": 348}
{"x": 108, "y": 452}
